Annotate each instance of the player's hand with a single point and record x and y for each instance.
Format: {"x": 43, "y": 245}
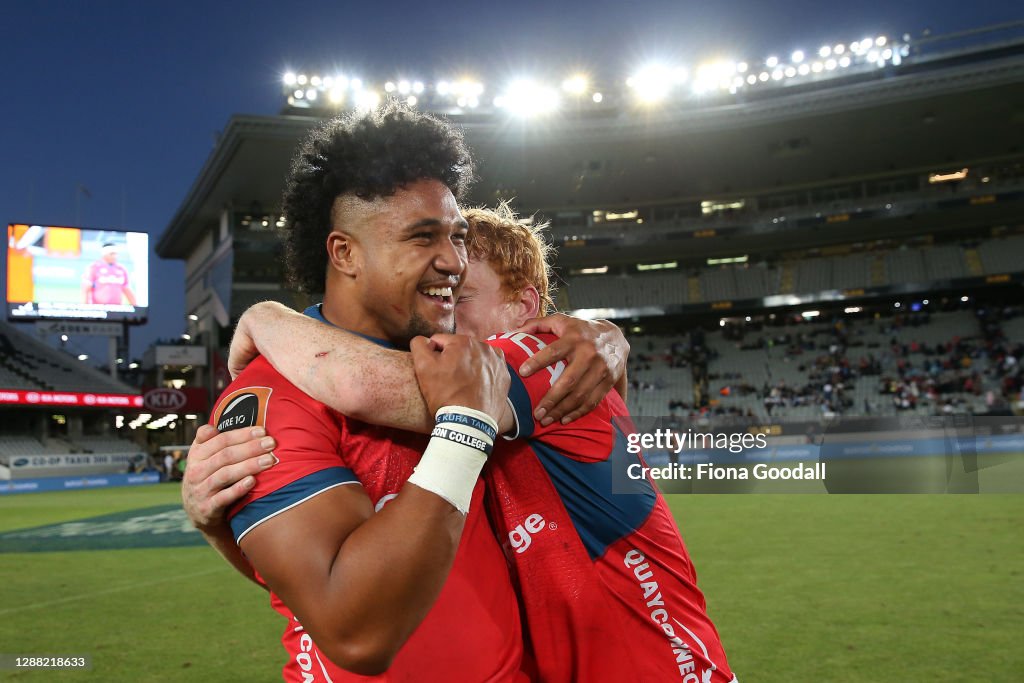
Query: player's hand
{"x": 219, "y": 470}
{"x": 453, "y": 369}
{"x": 596, "y": 352}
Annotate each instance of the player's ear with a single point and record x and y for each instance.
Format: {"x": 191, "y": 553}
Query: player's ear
{"x": 342, "y": 252}
{"x": 528, "y": 302}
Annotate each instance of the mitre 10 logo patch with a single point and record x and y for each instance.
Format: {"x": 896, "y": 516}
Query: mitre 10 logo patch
{"x": 243, "y": 408}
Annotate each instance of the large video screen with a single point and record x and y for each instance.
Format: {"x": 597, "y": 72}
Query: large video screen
{"x": 58, "y": 273}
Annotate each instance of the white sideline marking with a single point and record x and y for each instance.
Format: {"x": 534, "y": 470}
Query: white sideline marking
{"x": 85, "y": 596}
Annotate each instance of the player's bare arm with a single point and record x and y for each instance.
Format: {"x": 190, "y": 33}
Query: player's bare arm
{"x": 220, "y": 469}
{"x": 361, "y": 582}
{"x": 342, "y": 370}
{"x": 365, "y": 381}
{"x": 597, "y": 354}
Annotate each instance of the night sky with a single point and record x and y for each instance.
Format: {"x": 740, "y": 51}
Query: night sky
{"x": 125, "y": 98}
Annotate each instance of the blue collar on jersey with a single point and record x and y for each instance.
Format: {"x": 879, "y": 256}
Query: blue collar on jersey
{"x": 316, "y": 313}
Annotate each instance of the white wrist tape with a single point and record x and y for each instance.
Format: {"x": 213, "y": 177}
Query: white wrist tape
{"x": 459, "y": 445}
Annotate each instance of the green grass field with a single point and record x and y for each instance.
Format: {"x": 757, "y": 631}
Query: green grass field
{"x": 803, "y": 588}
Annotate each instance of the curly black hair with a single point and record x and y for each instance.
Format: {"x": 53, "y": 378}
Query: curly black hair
{"x": 369, "y": 155}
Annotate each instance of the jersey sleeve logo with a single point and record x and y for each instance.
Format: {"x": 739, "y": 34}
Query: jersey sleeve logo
{"x": 243, "y": 408}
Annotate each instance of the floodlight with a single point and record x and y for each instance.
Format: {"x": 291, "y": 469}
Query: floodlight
{"x": 336, "y": 96}
{"x": 524, "y": 97}
{"x": 764, "y": 76}
{"x": 831, "y": 65}
{"x": 417, "y": 87}
{"x": 311, "y": 94}
{"x": 797, "y": 57}
{"x": 777, "y": 75}
{"x": 652, "y": 83}
{"x": 289, "y": 78}
{"x": 751, "y": 79}
{"x": 389, "y": 87}
{"x": 845, "y": 62}
{"x": 880, "y": 41}
{"x": 804, "y": 69}
{"x": 356, "y": 83}
{"x": 575, "y": 85}
{"x": 839, "y": 49}
{"x": 404, "y": 87}
{"x": 299, "y": 94}
{"x": 411, "y": 100}
{"x": 817, "y": 67}
{"x": 771, "y": 62}
{"x": 367, "y": 100}
{"x": 825, "y": 51}
{"x": 714, "y": 74}
{"x": 742, "y": 67}
{"x": 597, "y": 98}
{"x": 301, "y": 79}
{"x": 443, "y": 88}
{"x": 315, "y": 80}
{"x": 83, "y": 356}
{"x": 790, "y": 71}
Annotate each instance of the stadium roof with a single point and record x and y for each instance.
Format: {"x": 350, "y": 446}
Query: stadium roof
{"x": 911, "y": 120}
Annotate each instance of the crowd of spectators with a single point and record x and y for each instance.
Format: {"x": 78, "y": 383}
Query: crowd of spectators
{"x": 894, "y": 361}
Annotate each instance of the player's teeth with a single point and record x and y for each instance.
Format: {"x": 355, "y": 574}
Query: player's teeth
{"x": 438, "y": 291}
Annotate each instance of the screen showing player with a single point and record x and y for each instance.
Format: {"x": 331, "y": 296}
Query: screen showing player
{"x": 76, "y": 273}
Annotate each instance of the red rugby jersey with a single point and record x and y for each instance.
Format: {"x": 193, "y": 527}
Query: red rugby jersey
{"x": 473, "y": 631}
{"x": 108, "y": 282}
{"x": 607, "y": 587}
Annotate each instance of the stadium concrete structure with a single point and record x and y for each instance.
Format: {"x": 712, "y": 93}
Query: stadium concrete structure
{"x": 858, "y": 191}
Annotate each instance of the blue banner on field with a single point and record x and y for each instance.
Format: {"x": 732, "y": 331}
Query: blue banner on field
{"x": 73, "y": 483}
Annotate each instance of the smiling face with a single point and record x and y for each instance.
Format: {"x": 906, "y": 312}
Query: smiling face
{"x": 486, "y": 307}
{"x": 396, "y": 262}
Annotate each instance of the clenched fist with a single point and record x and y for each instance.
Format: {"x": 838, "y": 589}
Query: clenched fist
{"x": 453, "y": 369}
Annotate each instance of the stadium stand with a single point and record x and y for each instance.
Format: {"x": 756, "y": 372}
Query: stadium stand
{"x": 31, "y": 364}
{"x": 924, "y": 363}
{"x": 810, "y": 273}
{"x": 755, "y": 203}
